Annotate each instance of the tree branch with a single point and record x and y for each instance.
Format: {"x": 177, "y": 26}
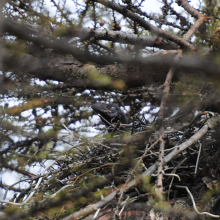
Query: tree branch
{"x": 127, "y": 13}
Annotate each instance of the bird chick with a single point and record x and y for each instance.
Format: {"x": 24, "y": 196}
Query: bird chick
{"x": 110, "y": 112}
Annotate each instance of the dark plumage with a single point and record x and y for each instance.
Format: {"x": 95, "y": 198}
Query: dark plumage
{"x": 111, "y": 112}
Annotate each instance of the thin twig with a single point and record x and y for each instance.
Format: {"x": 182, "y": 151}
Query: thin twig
{"x": 197, "y": 161}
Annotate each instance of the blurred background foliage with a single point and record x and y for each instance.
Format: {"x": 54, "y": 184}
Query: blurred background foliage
{"x": 59, "y": 57}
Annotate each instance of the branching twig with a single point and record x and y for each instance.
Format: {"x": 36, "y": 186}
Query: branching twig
{"x": 33, "y": 192}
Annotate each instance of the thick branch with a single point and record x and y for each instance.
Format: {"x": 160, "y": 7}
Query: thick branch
{"x": 77, "y": 75}
{"x": 120, "y": 37}
{"x": 190, "y": 9}
{"x": 57, "y": 45}
{"x": 147, "y": 70}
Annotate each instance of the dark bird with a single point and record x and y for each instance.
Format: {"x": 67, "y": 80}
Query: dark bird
{"x": 110, "y": 112}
